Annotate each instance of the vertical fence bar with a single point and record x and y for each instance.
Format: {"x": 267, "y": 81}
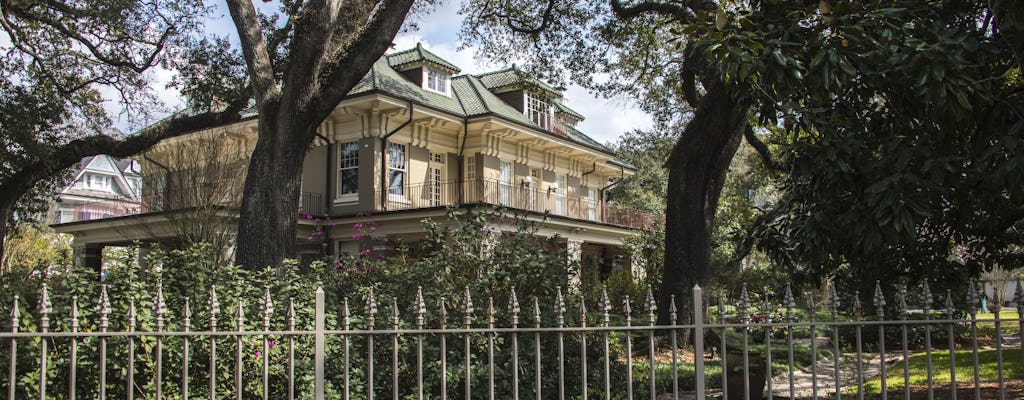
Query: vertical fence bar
{"x": 675, "y": 347}
{"x": 467, "y": 311}
{"x": 1018, "y": 298}
{"x": 320, "y": 345}
{"x": 214, "y": 308}
{"x": 490, "y": 348}
{"x": 513, "y": 308}
{"x": 73, "y": 368}
{"x": 44, "y": 309}
{"x": 104, "y": 311}
{"x": 131, "y": 349}
{"x": 928, "y": 339}
{"x": 12, "y": 369}
{"x": 394, "y": 348}
{"x": 999, "y": 355}
{"x": 652, "y": 308}
{"x": 605, "y": 307}
{"x": 813, "y": 311}
{"x": 537, "y": 344}
{"x": 186, "y": 325}
{"x": 560, "y": 315}
{"x": 906, "y": 351}
{"x": 159, "y": 310}
{"x": 371, "y": 313}
{"x": 768, "y": 346}
{"x": 858, "y": 315}
{"x": 790, "y": 305}
{"x": 239, "y": 327}
{"x": 950, "y": 312}
{"x": 421, "y": 308}
{"x": 745, "y": 319}
{"x": 291, "y": 350}
{"x": 444, "y": 352}
{"x": 268, "y": 309}
{"x": 879, "y": 303}
{"x": 725, "y": 366}
{"x": 629, "y": 346}
{"x": 972, "y": 309}
{"x": 834, "y": 307}
{"x": 698, "y": 342}
{"x": 583, "y": 347}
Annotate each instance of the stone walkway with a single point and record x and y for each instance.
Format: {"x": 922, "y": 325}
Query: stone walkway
{"x": 804, "y": 382}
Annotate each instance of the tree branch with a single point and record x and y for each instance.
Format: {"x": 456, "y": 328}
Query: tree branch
{"x": 254, "y": 49}
{"x": 761, "y": 148}
{"x": 683, "y": 14}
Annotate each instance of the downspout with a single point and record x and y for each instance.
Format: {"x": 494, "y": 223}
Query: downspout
{"x": 327, "y": 175}
{"x": 460, "y": 181}
{"x": 589, "y": 172}
{"x": 384, "y": 161}
{"x": 604, "y": 193}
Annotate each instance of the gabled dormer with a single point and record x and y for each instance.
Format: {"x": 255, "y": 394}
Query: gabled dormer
{"x": 537, "y": 100}
{"x": 424, "y": 68}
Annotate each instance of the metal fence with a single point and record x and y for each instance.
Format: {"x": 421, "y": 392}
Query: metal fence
{"x": 498, "y": 351}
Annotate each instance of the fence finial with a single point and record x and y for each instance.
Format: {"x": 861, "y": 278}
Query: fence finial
{"x": 370, "y": 309}
{"x": 74, "y": 313}
{"x": 652, "y": 305}
{"x": 444, "y": 313}
{"x": 672, "y": 310}
{"x": 421, "y": 308}
{"x": 346, "y": 315}
{"x": 559, "y": 306}
{"x": 291, "y": 313}
{"x": 187, "y": 320}
{"x": 213, "y": 307}
{"x": 132, "y": 316}
{"x": 833, "y": 299}
{"x": 268, "y": 307}
{"x": 858, "y": 309}
{"x": 583, "y": 312}
{"x": 467, "y": 309}
{"x": 949, "y": 302}
{"x": 239, "y": 315}
{"x": 744, "y": 304}
{"x": 45, "y": 308}
{"x": 394, "y": 312}
{"x": 879, "y": 300}
{"x": 536, "y": 312}
{"x": 490, "y": 311}
{"x": 903, "y": 302}
{"x": 513, "y": 307}
{"x": 15, "y": 315}
{"x": 104, "y": 307}
{"x": 627, "y": 310}
{"x": 159, "y": 305}
{"x": 972, "y": 297}
{"x": 928, "y": 299}
{"x": 1018, "y": 298}
{"x": 605, "y": 305}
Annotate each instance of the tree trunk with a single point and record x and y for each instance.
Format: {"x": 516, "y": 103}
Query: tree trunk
{"x": 6, "y": 209}
{"x": 697, "y": 168}
{"x": 270, "y": 205}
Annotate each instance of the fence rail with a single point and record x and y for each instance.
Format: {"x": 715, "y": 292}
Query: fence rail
{"x": 484, "y": 350}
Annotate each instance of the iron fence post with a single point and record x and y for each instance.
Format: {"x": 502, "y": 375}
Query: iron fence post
{"x": 319, "y": 345}
{"x": 698, "y": 341}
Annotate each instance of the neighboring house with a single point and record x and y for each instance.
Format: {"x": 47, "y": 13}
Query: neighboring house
{"x": 102, "y": 187}
{"x": 414, "y": 137}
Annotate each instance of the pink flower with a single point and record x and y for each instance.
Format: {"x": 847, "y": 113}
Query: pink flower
{"x": 357, "y": 236}
{"x": 257, "y": 354}
{"x": 358, "y": 225}
{"x": 271, "y": 344}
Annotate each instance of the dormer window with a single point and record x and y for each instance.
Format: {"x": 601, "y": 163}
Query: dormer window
{"x": 436, "y": 80}
{"x": 538, "y": 109}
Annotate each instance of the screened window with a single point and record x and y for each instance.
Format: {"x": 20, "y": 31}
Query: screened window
{"x": 538, "y": 109}
{"x": 437, "y": 81}
{"x": 397, "y": 169}
{"x": 348, "y": 169}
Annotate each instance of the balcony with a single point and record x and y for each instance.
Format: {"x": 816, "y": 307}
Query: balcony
{"x": 436, "y": 194}
{"x": 88, "y": 211}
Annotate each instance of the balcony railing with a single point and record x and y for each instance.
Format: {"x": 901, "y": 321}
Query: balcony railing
{"x": 94, "y": 210}
{"x": 434, "y": 194}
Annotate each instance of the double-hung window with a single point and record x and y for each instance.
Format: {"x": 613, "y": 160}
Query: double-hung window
{"x": 538, "y": 109}
{"x": 436, "y": 81}
{"x": 348, "y": 170}
{"x": 397, "y": 169}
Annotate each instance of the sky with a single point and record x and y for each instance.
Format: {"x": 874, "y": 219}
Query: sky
{"x": 605, "y": 119}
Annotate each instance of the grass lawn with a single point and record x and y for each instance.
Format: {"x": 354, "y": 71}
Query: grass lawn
{"x": 1012, "y": 369}
{"x": 1009, "y": 324}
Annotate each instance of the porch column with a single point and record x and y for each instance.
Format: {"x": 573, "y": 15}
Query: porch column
{"x": 88, "y": 256}
{"x": 574, "y": 255}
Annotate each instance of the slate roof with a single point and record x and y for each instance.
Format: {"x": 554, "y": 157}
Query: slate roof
{"x": 419, "y": 55}
{"x": 472, "y": 96}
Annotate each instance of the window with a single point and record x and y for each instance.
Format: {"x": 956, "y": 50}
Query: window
{"x": 348, "y": 169}
{"x": 591, "y": 204}
{"x": 538, "y": 110}
{"x": 505, "y": 186}
{"x": 436, "y": 81}
{"x": 397, "y": 166}
{"x": 435, "y": 175}
{"x": 97, "y": 182}
{"x": 560, "y": 194}
{"x": 437, "y": 158}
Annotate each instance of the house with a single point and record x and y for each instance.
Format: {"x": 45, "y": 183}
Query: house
{"x": 102, "y": 187}
{"x": 413, "y": 137}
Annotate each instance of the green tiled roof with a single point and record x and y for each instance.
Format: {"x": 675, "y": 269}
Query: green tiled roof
{"x": 419, "y": 54}
{"x": 561, "y": 108}
{"x": 385, "y": 79}
{"x": 511, "y": 76}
